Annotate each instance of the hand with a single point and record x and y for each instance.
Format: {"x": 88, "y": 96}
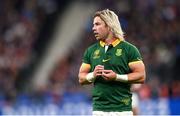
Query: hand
{"x": 109, "y": 75}
{"x": 98, "y": 70}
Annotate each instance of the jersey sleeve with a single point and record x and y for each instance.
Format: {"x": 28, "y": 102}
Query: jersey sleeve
{"x": 86, "y": 57}
{"x": 134, "y": 54}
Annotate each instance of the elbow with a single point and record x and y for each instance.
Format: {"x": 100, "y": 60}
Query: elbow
{"x": 80, "y": 81}
{"x": 83, "y": 81}
{"x": 143, "y": 78}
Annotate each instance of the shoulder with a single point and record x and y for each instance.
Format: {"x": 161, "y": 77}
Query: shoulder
{"x": 128, "y": 44}
{"x": 131, "y": 50}
{"x": 93, "y": 46}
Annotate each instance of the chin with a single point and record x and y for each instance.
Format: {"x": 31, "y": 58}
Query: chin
{"x": 99, "y": 38}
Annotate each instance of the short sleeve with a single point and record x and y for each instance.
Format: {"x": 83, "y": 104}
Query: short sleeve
{"x": 86, "y": 57}
{"x": 134, "y": 54}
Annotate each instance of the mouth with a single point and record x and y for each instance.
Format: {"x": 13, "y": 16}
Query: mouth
{"x": 96, "y": 34}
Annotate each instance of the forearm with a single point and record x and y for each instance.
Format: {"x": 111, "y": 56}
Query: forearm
{"x": 135, "y": 77}
{"x": 85, "y": 78}
{"x": 138, "y": 74}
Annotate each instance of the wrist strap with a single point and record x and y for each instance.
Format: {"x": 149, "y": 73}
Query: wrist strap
{"x": 121, "y": 78}
{"x": 90, "y": 77}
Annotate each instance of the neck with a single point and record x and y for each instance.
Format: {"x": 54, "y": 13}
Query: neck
{"x": 109, "y": 39}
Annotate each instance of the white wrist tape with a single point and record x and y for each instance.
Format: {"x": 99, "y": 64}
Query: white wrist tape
{"x": 90, "y": 77}
{"x": 121, "y": 78}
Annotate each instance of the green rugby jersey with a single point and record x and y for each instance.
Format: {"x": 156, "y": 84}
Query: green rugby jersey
{"x": 111, "y": 95}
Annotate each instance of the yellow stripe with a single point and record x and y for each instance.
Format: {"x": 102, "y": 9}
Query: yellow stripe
{"x": 102, "y": 43}
{"x": 116, "y": 42}
{"x": 134, "y": 62}
{"x": 84, "y": 65}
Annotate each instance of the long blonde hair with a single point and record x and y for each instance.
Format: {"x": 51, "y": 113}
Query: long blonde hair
{"x": 111, "y": 19}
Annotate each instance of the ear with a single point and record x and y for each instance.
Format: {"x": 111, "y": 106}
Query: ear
{"x": 109, "y": 29}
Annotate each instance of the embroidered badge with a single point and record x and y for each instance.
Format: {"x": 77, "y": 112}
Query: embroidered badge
{"x": 126, "y": 101}
{"x": 118, "y": 52}
{"x": 96, "y": 54}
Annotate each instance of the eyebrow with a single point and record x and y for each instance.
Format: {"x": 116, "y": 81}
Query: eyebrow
{"x": 96, "y": 23}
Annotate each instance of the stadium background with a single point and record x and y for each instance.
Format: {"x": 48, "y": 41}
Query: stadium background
{"x": 42, "y": 42}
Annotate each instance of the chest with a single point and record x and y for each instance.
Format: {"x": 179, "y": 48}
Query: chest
{"x": 112, "y": 58}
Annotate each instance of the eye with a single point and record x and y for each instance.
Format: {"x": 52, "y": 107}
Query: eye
{"x": 96, "y": 24}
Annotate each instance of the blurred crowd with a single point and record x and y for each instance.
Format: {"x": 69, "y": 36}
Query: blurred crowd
{"x": 17, "y": 35}
{"x": 19, "y": 20}
{"x": 152, "y": 25}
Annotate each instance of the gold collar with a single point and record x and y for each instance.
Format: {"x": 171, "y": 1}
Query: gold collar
{"x": 114, "y": 43}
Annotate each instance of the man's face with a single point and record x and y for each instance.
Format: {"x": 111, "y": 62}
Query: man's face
{"x": 100, "y": 29}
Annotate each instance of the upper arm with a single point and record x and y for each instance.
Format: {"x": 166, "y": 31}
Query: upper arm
{"x": 85, "y": 68}
{"x": 83, "y": 71}
{"x": 135, "y": 60}
{"x": 138, "y": 74}
{"x": 137, "y": 66}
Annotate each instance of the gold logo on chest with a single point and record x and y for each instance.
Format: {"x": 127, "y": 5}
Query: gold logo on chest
{"x": 96, "y": 54}
{"x": 118, "y": 52}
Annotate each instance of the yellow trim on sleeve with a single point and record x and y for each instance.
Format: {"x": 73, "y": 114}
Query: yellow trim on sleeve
{"x": 134, "y": 62}
{"x": 84, "y": 65}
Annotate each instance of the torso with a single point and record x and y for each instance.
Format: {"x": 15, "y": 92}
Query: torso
{"x": 111, "y": 95}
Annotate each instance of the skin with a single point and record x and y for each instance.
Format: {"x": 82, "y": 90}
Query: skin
{"x": 103, "y": 32}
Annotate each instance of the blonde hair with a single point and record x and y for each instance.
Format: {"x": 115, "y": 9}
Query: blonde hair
{"x": 111, "y": 19}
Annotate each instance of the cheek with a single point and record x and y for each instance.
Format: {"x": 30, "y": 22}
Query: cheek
{"x": 102, "y": 30}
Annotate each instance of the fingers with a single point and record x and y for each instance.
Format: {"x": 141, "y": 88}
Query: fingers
{"x": 98, "y": 70}
{"x": 107, "y": 71}
{"x": 100, "y": 67}
{"x": 108, "y": 75}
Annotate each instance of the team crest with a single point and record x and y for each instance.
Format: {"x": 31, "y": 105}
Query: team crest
{"x": 125, "y": 101}
{"x": 118, "y": 52}
{"x": 96, "y": 54}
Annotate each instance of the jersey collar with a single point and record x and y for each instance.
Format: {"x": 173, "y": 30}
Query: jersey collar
{"x": 114, "y": 43}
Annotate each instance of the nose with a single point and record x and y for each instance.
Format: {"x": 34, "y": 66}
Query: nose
{"x": 93, "y": 28}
